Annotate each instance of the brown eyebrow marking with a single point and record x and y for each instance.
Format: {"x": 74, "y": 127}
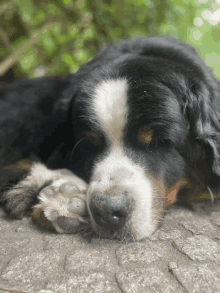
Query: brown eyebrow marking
{"x": 145, "y": 135}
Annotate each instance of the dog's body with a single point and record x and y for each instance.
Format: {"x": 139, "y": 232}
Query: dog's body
{"x": 132, "y": 123}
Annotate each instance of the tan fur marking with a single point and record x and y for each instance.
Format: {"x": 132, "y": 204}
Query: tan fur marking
{"x": 145, "y": 136}
{"x": 171, "y": 192}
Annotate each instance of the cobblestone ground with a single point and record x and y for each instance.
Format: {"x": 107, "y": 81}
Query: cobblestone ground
{"x": 182, "y": 256}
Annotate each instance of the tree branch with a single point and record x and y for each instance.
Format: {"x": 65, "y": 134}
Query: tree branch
{"x": 10, "y": 61}
{"x": 5, "y": 40}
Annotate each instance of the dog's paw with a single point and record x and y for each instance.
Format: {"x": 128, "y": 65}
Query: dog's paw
{"x": 63, "y": 204}
{"x": 18, "y": 200}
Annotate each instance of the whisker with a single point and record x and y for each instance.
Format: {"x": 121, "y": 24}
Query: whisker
{"x": 113, "y": 236}
{"x": 211, "y": 194}
{"x": 75, "y": 147}
{"x": 147, "y": 147}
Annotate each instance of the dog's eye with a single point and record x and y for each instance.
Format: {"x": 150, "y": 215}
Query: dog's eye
{"x": 145, "y": 136}
{"x": 93, "y": 138}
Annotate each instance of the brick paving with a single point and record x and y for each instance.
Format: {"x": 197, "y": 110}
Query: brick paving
{"x": 182, "y": 256}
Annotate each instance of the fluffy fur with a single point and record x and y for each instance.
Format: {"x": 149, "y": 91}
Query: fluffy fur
{"x": 132, "y": 123}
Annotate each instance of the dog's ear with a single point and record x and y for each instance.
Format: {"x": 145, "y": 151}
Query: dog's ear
{"x": 202, "y": 111}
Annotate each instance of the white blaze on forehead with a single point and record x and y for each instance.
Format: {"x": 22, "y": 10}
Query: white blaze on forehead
{"x": 110, "y": 106}
{"x": 117, "y": 171}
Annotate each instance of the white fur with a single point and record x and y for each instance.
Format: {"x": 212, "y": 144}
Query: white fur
{"x": 118, "y": 170}
{"x": 111, "y": 109}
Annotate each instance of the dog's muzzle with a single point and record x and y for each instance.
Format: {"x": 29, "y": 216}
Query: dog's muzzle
{"x": 120, "y": 198}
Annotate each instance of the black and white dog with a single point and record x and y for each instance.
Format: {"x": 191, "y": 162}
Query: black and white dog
{"x": 131, "y": 123}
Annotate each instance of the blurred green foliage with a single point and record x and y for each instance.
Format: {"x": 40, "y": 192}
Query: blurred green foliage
{"x": 78, "y": 28}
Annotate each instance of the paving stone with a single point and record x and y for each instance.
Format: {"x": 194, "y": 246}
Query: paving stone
{"x": 13, "y": 225}
{"x": 32, "y": 268}
{"x": 199, "y": 226}
{"x": 199, "y": 278}
{"x": 19, "y": 291}
{"x": 199, "y": 248}
{"x": 215, "y": 217}
{"x": 2, "y": 261}
{"x": 20, "y": 287}
{"x": 18, "y": 244}
{"x": 172, "y": 234}
{"x": 173, "y": 265}
{"x": 90, "y": 283}
{"x": 167, "y": 232}
{"x": 84, "y": 261}
{"x": 62, "y": 243}
{"x": 33, "y": 260}
{"x": 44, "y": 291}
{"x": 147, "y": 280}
{"x": 140, "y": 253}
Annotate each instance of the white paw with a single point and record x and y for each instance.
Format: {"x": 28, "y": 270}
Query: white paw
{"x": 64, "y": 204}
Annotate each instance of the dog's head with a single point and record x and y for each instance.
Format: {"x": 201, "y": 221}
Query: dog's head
{"x": 144, "y": 118}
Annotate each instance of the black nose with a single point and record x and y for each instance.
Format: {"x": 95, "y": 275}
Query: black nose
{"x": 110, "y": 212}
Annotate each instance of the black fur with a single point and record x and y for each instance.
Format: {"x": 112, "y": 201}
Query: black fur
{"x": 170, "y": 89}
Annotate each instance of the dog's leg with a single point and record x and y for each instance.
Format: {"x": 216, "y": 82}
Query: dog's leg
{"x": 61, "y": 197}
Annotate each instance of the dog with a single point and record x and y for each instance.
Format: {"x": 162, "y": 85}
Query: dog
{"x": 113, "y": 140}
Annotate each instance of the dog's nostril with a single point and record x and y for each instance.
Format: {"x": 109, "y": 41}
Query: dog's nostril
{"x": 117, "y": 218}
{"x": 116, "y": 214}
{"x": 110, "y": 212}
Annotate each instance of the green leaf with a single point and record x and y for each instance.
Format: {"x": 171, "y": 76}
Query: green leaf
{"x": 28, "y": 60}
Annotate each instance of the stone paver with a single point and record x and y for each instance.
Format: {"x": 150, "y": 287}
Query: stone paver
{"x": 199, "y": 248}
{"x": 182, "y": 256}
{"x": 146, "y": 280}
{"x": 199, "y": 278}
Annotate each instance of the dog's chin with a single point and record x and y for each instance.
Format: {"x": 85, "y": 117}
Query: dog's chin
{"x": 140, "y": 227}
{"x": 131, "y": 231}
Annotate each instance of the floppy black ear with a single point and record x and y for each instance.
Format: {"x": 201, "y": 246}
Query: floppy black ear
{"x": 202, "y": 110}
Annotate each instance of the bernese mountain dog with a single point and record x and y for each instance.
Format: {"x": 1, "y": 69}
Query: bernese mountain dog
{"x": 115, "y": 141}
